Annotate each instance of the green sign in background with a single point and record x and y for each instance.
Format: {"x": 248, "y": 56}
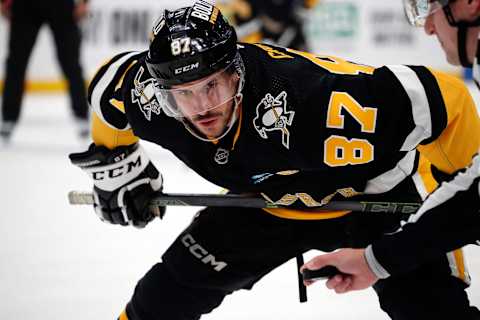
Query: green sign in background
{"x": 333, "y": 20}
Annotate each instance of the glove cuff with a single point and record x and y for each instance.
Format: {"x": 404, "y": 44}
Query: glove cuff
{"x": 112, "y": 169}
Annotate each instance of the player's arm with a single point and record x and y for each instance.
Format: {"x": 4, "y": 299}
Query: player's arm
{"x": 460, "y": 140}
{"x": 448, "y": 219}
{"x": 443, "y": 120}
{"x": 124, "y": 177}
{"x": 110, "y": 127}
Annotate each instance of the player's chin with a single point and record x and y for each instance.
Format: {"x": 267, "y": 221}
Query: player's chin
{"x": 213, "y": 129}
{"x": 209, "y": 131}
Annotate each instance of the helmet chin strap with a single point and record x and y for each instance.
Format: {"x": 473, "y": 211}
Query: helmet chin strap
{"x": 462, "y": 45}
{"x": 237, "y": 100}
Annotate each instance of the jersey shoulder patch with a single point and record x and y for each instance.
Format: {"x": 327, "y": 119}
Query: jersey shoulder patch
{"x": 142, "y": 93}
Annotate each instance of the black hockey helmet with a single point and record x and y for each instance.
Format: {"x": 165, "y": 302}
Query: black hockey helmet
{"x": 190, "y": 43}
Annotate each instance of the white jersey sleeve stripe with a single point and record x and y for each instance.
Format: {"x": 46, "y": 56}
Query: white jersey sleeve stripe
{"x": 388, "y": 180}
{"x": 420, "y": 106}
{"x": 447, "y": 190}
{"x": 100, "y": 88}
{"x": 420, "y": 185}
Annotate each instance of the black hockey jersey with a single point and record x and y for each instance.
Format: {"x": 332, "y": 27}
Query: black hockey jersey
{"x": 311, "y": 127}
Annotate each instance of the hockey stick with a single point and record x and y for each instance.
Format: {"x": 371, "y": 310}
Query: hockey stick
{"x": 245, "y": 201}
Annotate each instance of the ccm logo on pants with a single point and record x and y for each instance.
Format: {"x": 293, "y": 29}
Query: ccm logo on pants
{"x": 201, "y": 254}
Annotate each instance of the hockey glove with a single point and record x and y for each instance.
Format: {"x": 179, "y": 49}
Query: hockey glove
{"x": 124, "y": 182}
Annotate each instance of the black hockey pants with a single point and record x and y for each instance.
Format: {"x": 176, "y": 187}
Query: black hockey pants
{"x": 227, "y": 249}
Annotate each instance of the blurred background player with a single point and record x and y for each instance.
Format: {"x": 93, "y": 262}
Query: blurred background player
{"x": 455, "y": 23}
{"x": 450, "y": 217}
{"x": 26, "y": 18}
{"x": 197, "y": 92}
{"x": 278, "y": 22}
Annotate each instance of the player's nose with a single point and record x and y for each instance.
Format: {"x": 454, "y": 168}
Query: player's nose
{"x": 201, "y": 104}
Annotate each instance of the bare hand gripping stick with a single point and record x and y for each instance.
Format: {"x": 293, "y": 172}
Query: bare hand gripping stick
{"x": 324, "y": 273}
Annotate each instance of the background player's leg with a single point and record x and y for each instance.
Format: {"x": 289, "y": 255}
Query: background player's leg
{"x": 67, "y": 38}
{"x": 24, "y": 29}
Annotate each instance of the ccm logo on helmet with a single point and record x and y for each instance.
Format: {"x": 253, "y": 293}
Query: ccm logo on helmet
{"x": 187, "y": 68}
{"x": 205, "y": 11}
{"x": 118, "y": 171}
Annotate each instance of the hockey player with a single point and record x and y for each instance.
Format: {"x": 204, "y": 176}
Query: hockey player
{"x": 299, "y": 129}
{"x": 450, "y": 217}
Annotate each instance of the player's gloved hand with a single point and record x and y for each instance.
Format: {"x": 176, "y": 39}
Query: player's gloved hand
{"x": 124, "y": 182}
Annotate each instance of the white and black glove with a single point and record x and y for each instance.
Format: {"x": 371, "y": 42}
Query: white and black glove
{"x": 124, "y": 182}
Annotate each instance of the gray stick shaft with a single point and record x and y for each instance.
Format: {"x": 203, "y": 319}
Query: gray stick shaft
{"x": 231, "y": 200}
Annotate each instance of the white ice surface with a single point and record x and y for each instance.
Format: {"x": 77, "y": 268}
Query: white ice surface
{"x": 59, "y": 262}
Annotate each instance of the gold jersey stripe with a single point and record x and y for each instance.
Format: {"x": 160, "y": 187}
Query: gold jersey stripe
{"x": 306, "y": 215}
{"x": 425, "y": 173}
{"x": 117, "y": 104}
{"x": 109, "y": 137}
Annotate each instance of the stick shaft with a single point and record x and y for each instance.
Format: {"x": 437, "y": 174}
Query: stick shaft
{"x": 230, "y": 200}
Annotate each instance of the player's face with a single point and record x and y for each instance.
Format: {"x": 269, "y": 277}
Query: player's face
{"x": 437, "y": 24}
{"x": 208, "y": 103}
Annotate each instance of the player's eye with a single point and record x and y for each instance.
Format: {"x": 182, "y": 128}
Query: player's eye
{"x": 184, "y": 93}
{"x": 212, "y": 84}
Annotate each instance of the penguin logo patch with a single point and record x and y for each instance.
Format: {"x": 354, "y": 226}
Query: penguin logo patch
{"x": 272, "y": 115}
{"x": 144, "y": 95}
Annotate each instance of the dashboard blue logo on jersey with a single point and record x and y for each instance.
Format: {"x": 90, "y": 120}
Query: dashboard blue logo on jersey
{"x": 261, "y": 177}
